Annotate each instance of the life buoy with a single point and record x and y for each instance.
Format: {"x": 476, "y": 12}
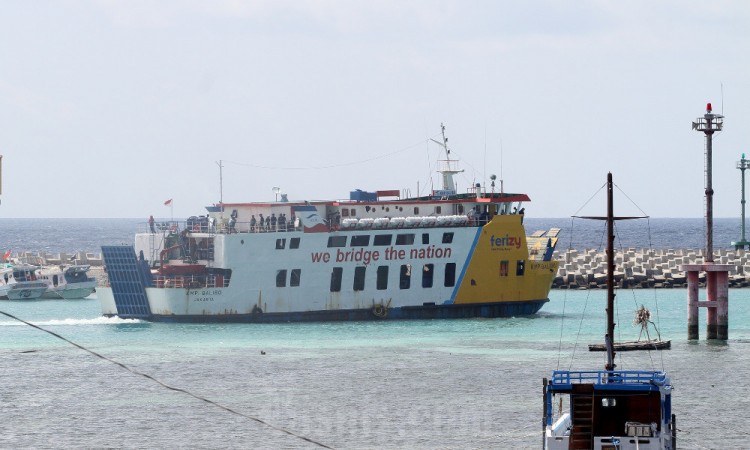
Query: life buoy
{"x": 380, "y": 311}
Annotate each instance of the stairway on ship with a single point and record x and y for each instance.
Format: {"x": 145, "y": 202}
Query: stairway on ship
{"x": 582, "y": 401}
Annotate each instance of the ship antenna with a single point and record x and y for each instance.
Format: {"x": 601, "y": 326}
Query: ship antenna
{"x": 221, "y": 190}
{"x": 501, "y": 166}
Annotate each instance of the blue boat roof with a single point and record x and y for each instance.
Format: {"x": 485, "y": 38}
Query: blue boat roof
{"x": 625, "y": 380}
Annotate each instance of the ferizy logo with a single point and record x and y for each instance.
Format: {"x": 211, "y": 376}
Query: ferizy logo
{"x": 505, "y": 241}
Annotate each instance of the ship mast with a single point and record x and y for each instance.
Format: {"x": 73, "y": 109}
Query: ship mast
{"x": 609, "y": 338}
{"x": 610, "y": 218}
{"x": 447, "y": 167}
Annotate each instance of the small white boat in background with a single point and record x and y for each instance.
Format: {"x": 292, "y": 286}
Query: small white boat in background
{"x": 66, "y": 282}
{"x": 25, "y": 285}
{"x": 6, "y": 279}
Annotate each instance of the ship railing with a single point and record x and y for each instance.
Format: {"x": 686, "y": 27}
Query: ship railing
{"x": 190, "y": 281}
{"x": 567, "y": 377}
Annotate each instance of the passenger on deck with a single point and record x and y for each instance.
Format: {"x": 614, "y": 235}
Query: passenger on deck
{"x": 282, "y": 222}
{"x": 273, "y": 222}
{"x": 151, "y": 223}
{"x": 253, "y": 223}
{"x": 261, "y": 223}
{"x": 232, "y": 222}
{"x": 268, "y": 224}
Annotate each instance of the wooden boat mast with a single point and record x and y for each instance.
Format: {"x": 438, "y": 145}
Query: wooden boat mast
{"x": 609, "y": 338}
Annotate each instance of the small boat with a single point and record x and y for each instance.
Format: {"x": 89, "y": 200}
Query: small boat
{"x": 609, "y": 409}
{"x": 649, "y": 344}
{"x": 642, "y": 318}
{"x": 67, "y": 282}
{"x": 25, "y": 285}
{"x": 6, "y": 279}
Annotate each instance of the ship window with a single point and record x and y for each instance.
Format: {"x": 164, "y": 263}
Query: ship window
{"x": 405, "y": 280}
{"x": 460, "y": 209}
{"x": 383, "y": 239}
{"x": 382, "y": 278}
{"x": 344, "y": 212}
{"x": 281, "y": 278}
{"x": 425, "y": 238}
{"x": 353, "y": 212}
{"x": 405, "y": 239}
{"x": 294, "y": 243}
{"x": 450, "y": 274}
{"x": 280, "y": 244}
{"x": 427, "y": 272}
{"x": 520, "y": 267}
{"x": 416, "y": 210}
{"x": 360, "y": 241}
{"x": 336, "y": 279}
{"x": 359, "y": 278}
{"x": 503, "y": 268}
{"x": 438, "y": 210}
{"x": 447, "y": 238}
{"x": 609, "y": 402}
{"x": 294, "y": 277}
{"x": 337, "y": 241}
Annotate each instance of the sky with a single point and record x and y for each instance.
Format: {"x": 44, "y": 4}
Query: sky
{"x": 109, "y": 108}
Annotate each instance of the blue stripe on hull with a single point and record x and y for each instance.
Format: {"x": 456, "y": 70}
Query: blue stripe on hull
{"x": 485, "y": 310}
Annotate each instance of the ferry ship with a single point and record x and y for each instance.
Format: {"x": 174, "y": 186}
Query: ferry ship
{"x": 378, "y": 255}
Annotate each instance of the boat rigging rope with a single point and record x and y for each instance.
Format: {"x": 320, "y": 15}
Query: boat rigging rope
{"x": 651, "y": 251}
{"x": 172, "y": 388}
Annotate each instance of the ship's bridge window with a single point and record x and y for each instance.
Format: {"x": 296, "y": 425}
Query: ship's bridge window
{"x": 280, "y": 244}
{"x": 336, "y": 279}
{"x": 383, "y": 239}
{"x": 520, "y": 266}
{"x": 427, "y": 273}
{"x": 359, "y": 278}
{"x": 337, "y": 241}
{"x": 405, "y": 239}
{"x": 294, "y": 277}
{"x": 382, "y": 282}
{"x": 360, "y": 241}
{"x": 294, "y": 242}
{"x": 447, "y": 238}
{"x": 450, "y": 274}
{"x": 405, "y": 279}
{"x": 281, "y": 278}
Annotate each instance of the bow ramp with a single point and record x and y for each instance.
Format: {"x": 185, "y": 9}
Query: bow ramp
{"x": 128, "y": 278}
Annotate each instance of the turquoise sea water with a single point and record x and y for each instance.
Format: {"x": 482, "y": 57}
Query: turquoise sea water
{"x": 410, "y": 384}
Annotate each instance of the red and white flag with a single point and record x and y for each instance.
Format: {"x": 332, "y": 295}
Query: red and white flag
{"x": 6, "y": 255}
{"x": 168, "y": 202}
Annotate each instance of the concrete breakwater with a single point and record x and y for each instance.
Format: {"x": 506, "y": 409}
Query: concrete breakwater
{"x": 644, "y": 268}
{"x": 49, "y": 259}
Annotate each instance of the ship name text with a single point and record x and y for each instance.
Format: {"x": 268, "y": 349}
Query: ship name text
{"x": 389, "y": 254}
{"x": 505, "y": 241}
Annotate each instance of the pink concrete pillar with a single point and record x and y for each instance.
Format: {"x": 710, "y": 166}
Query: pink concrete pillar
{"x": 722, "y": 306}
{"x": 692, "y": 304}
{"x": 711, "y": 289}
